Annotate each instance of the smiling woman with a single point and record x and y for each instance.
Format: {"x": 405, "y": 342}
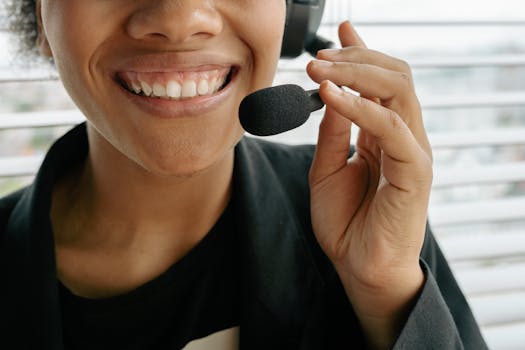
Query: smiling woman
{"x": 157, "y": 223}
{"x": 160, "y": 48}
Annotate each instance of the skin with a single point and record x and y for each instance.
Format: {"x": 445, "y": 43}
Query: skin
{"x": 131, "y": 210}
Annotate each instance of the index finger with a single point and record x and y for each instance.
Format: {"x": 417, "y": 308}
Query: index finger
{"x": 391, "y": 132}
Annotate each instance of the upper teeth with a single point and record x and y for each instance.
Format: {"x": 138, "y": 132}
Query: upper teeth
{"x": 160, "y": 85}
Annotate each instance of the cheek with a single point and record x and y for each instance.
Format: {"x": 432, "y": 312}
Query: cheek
{"x": 77, "y": 36}
{"x": 62, "y": 24}
{"x": 262, "y": 30}
{"x": 75, "y": 32}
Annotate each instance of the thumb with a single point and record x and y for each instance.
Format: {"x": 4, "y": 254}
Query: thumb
{"x": 333, "y": 146}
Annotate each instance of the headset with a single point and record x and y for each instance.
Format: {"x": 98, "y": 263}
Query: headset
{"x": 303, "y": 18}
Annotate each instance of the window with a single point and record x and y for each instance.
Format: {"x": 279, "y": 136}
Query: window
{"x": 468, "y": 59}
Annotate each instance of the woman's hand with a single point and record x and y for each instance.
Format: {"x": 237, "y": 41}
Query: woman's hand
{"x": 369, "y": 212}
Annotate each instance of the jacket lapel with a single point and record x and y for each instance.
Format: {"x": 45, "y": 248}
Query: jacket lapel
{"x": 279, "y": 278}
{"x": 31, "y": 304}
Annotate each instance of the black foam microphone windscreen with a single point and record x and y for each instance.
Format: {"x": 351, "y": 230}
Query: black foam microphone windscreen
{"x": 278, "y": 109}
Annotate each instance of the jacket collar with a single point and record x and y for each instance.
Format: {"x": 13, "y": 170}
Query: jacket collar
{"x": 277, "y": 272}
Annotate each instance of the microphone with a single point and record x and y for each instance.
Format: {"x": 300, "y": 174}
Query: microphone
{"x": 278, "y": 109}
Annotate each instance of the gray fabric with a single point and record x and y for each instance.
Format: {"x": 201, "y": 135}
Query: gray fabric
{"x": 430, "y": 325}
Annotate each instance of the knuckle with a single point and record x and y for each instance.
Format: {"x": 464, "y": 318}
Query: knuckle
{"x": 396, "y": 122}
{"x": 404, "y": 66}
{"x": 405, "y": 76}
{"x": 405, "y": 71}
{"x": 405, "y": 79}
{"x": 351, "y": 73}
{"x": 360, "y": 103}
{"x": 356, "y": 102}
{"x": 393, "y": 125}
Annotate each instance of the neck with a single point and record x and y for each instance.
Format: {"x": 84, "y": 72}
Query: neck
{"x": 112, "y": 199}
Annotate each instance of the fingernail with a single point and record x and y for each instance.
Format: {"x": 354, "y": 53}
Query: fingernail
{"x": 332, "y": 87}
{"x": 322, "y": 63}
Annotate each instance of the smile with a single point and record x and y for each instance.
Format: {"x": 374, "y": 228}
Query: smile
{"x": 176, "y": 85}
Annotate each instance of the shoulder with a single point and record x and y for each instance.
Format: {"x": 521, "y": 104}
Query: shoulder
{"x": 7, "y": 204}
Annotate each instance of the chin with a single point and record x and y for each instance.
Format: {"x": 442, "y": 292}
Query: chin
{"x": 186, "y": 159}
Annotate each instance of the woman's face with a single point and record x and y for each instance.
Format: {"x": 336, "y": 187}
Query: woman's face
{"x": 161, "y": 80}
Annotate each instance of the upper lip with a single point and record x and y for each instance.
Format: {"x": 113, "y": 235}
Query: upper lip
{"x": 174, "y": 62}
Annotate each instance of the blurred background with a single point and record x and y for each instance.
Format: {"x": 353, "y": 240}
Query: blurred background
{"x": 468, "y": 60}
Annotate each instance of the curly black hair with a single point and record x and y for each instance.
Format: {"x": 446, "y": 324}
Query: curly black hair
{"x": 21, "y": 22}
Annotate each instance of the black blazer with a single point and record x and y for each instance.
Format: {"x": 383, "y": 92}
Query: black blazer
{"x": 291, "y": 296}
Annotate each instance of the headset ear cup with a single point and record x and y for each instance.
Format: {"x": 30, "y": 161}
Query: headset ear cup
{"x": 286, "y": 35}
{"x": 295, "y": 29}
{"x": 303, "y": 18}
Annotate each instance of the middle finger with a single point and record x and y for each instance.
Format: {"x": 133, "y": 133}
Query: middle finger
{"x": 358, "y": 54}
{"x": 368, "y": 80}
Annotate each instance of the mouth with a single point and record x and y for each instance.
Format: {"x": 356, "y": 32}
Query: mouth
{"x": 177, "y": 85}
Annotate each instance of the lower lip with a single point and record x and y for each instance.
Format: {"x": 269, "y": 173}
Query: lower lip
{"x": 191, "y": 107}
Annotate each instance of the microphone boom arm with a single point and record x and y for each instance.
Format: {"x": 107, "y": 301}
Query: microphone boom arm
{"x": 314, "y": 100}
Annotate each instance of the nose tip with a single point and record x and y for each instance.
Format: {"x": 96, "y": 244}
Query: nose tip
{"x": 175, "y": 21}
